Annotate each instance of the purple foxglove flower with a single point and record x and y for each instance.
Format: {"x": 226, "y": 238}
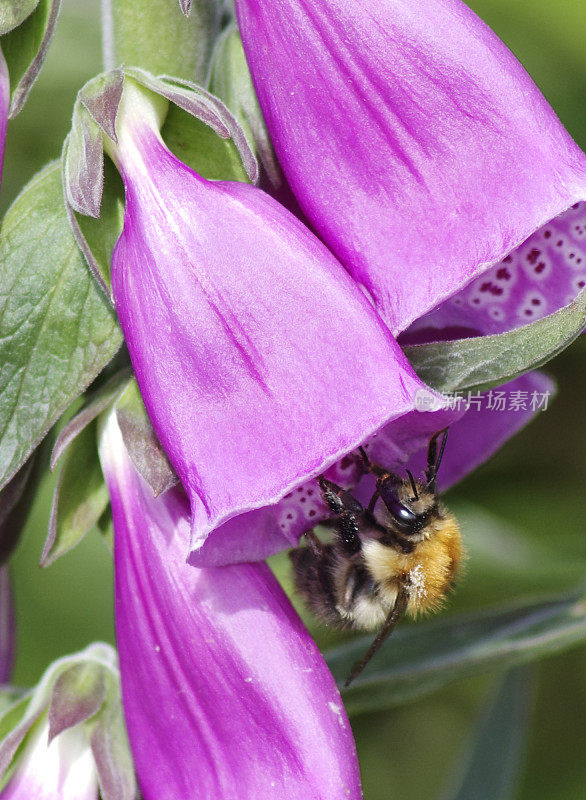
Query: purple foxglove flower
{"x": 225, "y": 693}
{"x": 4, "y": 105}
{"x": 416, "y": 145}
{"x": 476, "y": 433}
{"x": 61, "y": 770}
{"x": 260, "y": 361}
{"x": 545, "y": 273}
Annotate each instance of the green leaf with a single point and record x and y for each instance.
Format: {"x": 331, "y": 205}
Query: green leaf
{"x": 485, "y": 361}
{"x": 418, "y": 659}
{"x": 14, "y": 12}
{"x": 80, "y": 496}
{"x": 25, "y": 49}
{"x": 494, "y": 763}
{"x": 198, "y": 146}
{"x": 57, "y": 330}
{"x": 140, "y": 440}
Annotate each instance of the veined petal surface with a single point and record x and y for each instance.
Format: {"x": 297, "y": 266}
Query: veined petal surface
{"x": 416, "y": 144}
{"x": 259, "y": 360}
{"x": 225, "y": 693}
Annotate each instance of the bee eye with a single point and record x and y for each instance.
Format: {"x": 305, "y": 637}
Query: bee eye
{"x": 405, "y": 519}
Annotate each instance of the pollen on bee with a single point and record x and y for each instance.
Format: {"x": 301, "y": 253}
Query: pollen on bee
{"x": 416, "y": 581}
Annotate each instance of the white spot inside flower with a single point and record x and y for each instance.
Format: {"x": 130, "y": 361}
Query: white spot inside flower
{"x": 496, "y": 313}
{"x": 337, "y": 710}
{"x": 534, "y": 306}
{"x": 157, "y": 648}
{"x": 247, "y": 680}
{"x": 417, "y": 588}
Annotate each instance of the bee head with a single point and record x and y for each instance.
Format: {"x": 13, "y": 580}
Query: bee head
{"x": 404, "y": 506}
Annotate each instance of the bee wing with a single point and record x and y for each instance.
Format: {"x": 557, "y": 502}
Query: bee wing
{"x": 388, "y": 626}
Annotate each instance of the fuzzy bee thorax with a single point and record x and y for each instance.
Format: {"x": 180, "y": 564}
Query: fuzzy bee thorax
{"x": 427, "y": 572}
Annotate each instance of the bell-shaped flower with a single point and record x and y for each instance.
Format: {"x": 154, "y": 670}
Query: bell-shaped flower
{"x": 416, "y": 145}
{"x": 260, "y": 361}
{"x": 225, "y": 693}
{"x": 65, "y": 740}
{"x": 478, "y": 428}
{"x": 63, "y": 769}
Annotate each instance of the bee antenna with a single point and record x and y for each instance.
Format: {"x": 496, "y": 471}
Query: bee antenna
{"x": 384, "y": 633}
{"x": 433, "y": 458}
{"x": 365, "y": 458}
{"x": 413, "y": 486}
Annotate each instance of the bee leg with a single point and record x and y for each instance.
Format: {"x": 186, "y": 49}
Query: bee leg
{"x": 388, "y": 626}
{"x": 374, "y": 469}
{"x": 314, "y": 543}
{"x": 345, "y": 509}
{"x": 313, "y": 580}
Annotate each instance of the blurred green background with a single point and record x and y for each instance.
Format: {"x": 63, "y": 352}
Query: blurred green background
{"x": 534, "y": 489}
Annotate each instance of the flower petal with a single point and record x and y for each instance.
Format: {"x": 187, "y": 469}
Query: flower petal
{"x": 491, "y": 420}
{"x": 225, "y": 693}
{"x": 266, "y": 531}
{"x": 259, "y": 360}
{"x": 543, "y": 275}
{"x": 416, "y": 144}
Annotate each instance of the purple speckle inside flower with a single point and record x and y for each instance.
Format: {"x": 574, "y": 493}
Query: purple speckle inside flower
{"x": 540, "y": 276}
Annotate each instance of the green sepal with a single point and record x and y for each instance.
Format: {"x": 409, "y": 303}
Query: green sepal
{"x": 482, "y": 362}
{"x": 200, "y": 148}
{"x": 210, "y": 111}
{"x": 95, "y": 403}
{"x": 14, "y": 12}
{"x": 111, "y": 749}
{"x": 230, "y": 80}
{"x": 25, "y": 49}
{"x": 140, "y": 440}
{"x": 79, "y": 693}
{"x": 419, "y": 659}
{"x": 57, "y": 330}
{"x": 80, "y": 497}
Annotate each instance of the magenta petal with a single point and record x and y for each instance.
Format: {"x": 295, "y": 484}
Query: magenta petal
{"x": 416, "y": 144}
{"x": 225, "y": 693}
{"x": 492, "y": 418}
{"x": 259, "y": 360}
{"x": 543, "y": 275}
{"x": 265, "y": 531}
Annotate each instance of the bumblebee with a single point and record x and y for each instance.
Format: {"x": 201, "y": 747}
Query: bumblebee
{"x": 399, "y": 555}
